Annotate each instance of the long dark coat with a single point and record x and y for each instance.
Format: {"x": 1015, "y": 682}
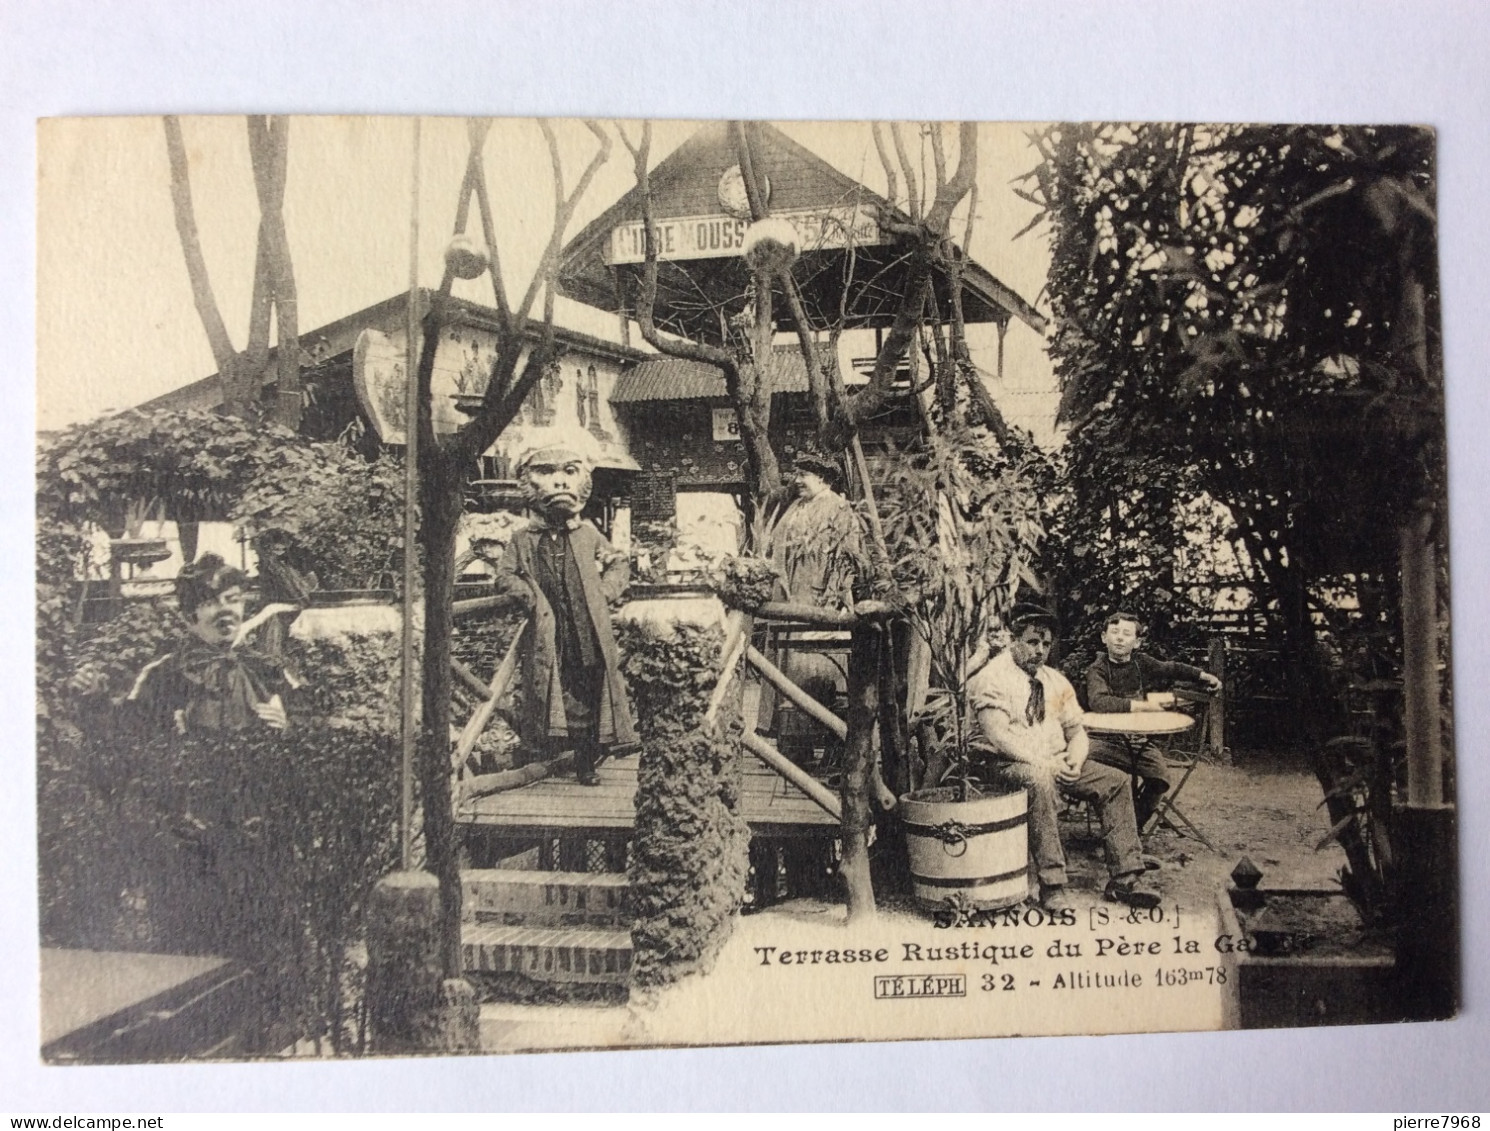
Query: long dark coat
{"x": 604, "y": 572}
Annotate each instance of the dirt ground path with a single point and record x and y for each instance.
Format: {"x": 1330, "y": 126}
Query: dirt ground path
{"x": 1266, "y": 807}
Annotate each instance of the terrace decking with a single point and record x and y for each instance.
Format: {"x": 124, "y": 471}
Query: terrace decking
{"x": 772, "y": 805}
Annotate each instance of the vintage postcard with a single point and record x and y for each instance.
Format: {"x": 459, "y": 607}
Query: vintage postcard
{"x": 514, "y": 584}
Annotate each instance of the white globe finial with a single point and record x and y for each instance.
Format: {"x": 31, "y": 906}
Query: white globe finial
{"x": 466, "y": 257}
{"x": 771, "y": 244}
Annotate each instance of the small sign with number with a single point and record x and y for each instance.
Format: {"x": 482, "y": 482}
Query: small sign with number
{"x": 726, "y": 424}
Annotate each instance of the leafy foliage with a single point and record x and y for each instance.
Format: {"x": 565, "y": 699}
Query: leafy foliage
{"x": 689, "y": 858}
{"x": 344, "y": 512}
{"x": 1232, "y": 301}
{"x": 1252, "y": 313}
{"x": 251, "y": 844}
{"x": 963, "y": 524}
{"x": 1143, "y": 540}
{"x": 200, "y": 461}
{"x": 749, "y": 579}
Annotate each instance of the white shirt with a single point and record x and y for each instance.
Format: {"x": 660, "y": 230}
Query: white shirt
{"x": 1002, "y": 685}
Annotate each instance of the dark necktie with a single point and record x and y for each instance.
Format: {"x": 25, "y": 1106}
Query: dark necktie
{"x": 1034, "y": 711}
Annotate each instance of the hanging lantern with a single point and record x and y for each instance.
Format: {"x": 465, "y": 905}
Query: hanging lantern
{"x": 771, "y": 244}
{"x": 466, "y": 258}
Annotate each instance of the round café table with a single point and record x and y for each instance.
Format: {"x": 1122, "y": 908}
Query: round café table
{"x": 1132, "y": 726}
{"x": 1136, "y": 723}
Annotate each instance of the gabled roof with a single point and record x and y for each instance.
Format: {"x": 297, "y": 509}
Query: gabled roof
{"x": 687, "y": 184}
{"x": 337, "y": 338}
{"x": 677, "y": 379}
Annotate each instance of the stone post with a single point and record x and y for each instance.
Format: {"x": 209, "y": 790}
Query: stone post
{"x": 412, "y": 1006}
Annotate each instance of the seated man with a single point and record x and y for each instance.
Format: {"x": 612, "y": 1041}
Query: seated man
{"x": 1124, "y": 680}
{"x": 1028, "y": 713}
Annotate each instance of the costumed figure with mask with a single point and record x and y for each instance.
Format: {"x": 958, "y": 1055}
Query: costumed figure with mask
{"x": 563, "y": 572}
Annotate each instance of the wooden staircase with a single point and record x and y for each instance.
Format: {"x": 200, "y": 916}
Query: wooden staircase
{"x": 550, "y": 926}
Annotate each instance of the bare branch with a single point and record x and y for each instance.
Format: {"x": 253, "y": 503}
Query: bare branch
{"x": 869, "y": 399}
{"x": 885, "y": 163}
{"x": 269, "y": 149}
{"x": 938, "y": 155}
{"x": 647, "y": 303}
{"x": 967, "y": 230}
{"x": 223, "y": 354}
{"x": 563, "y": 212}
{"x": 261, "y": 304}
{"x": 634, "y": 150}
{"x": 939, "y": 211}
{"x": 913, "y": 193}
{"x": 504, "y": 396}
{"x": 816, "y": 382}
{"x": 477, "y": 129}
{"x": 753, "y": 190}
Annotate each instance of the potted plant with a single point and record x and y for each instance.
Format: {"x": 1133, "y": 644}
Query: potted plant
{"x": 962, "y": 525}
{"x": 749, "y": 579}
{"x": 471, "y": 380}
{"x": 132, "y": 548}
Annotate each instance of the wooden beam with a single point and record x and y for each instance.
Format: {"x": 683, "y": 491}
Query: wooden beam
{"x": 477, "y": 722}
{"x": 814, "y": 789}
{"x": 483, "y": 785}
{"x": 737, "y": 637}
{"x": 470, "y": 678}
{"x": 859, "y": 771}
{"x": 1420, "y": 660}
{"x": 1216, "y": 718}
{"x": 779, "y": 680}
{"x": 475, "y": 605}
{"x": 818, "y": 616}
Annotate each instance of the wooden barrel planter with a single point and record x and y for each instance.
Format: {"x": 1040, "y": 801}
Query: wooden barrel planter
{"x": 978, "y": 849}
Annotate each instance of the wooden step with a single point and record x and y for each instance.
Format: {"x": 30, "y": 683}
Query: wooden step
{"x": 544, "y": 899}
{"x": 548, "y": 954}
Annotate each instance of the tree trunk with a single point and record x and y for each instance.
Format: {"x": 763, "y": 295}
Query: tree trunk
{"x": 858, "y": 769}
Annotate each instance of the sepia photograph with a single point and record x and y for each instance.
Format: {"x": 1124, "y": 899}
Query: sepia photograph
{"x": 511, "y": 585}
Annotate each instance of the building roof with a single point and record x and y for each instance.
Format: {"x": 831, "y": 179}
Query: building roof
{"x": 676, "y": 379}
{"x": 337, "y": 338}
{"x": 687, "y": 184}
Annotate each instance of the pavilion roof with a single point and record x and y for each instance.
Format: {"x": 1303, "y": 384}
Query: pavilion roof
{"x": 601, "y": 267}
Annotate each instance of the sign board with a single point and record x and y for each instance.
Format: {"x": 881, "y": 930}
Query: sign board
{"x": 378, "y": 376}
{"x": 726, "y": 424}
{"x": 719, "y": 237}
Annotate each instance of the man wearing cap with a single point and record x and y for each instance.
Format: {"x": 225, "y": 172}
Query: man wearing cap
{"x": 564, "y": 571}
{"x": 1030, "y": 717}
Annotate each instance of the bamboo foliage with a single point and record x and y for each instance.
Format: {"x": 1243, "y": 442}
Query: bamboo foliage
{"x": 963, "y": 526}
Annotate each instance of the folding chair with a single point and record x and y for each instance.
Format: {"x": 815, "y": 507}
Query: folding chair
{"x": 1167, "y": 811}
